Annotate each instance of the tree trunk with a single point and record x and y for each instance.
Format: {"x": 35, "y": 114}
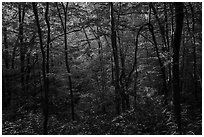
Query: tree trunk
{"x": 6, "y": 93}
{"x": 164, "y": 90}
{"x": 14, "y": 53}
{"x": 124, "y": 94}
{"x": 21, "y": 13}
{"x": 172, "y": 23}
{"x": 179, "y": 16}
{"x": 27, "y": 73}
{"x": 66, "y": 54}
{"x": 88, "y": 41}
{"x": 183, "y": 65}
{"x": 161, "y": 27}
{"x": 194, "y": 53}
{"x": 166, "y": 25}
{"x": 169, "y": 84}
{"x": 116, "y": 61}
{"x": 136, "y": 73}
{"x": 45, "y": 95}
{"x": 6, "y": 54}
{"x": 101, "y": 60}
{"x": 47, "y": 63}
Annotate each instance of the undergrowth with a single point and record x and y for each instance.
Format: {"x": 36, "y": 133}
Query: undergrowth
{"x": 150, "y": 117}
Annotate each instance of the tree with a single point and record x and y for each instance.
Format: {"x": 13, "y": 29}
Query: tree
{"x": 64, "y": 27}
{"x": 21, "y": 12}
{"x": 47, "y": 67}
{"x": 6, "y": 92}
{"x": 194, "y": 52}
{"x": 116, "y": 61}
{"x": 45, "y": 93}
{"x": 179, "y": 16}
{"x": 162, "y": 67}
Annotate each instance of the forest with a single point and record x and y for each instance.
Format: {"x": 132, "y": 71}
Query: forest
{"x": 101, "y": 68}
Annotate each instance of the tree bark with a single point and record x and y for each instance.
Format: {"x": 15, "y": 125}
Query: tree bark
{"x": 179, "y": 16}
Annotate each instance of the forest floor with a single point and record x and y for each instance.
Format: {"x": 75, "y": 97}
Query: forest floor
{"x": 147, "y": 119}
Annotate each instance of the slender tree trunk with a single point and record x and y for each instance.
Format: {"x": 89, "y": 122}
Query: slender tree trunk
{"x": 27, "y": 73}
{"x": 101, "y": 60}
{"x": 65, "y": 8}
{"x": 116, "y": 61}
{"x": 136, "y": 73}
{"x": 151, "y": 29}
{"x": 14, "y": 53}
{"x": 170, "y": 82}
{"x": 47, "y": 64}
{"x": 134, "y": 67}
{"x": 194, "y": 53}
{"x": 161, "y": 27}
{"x": 172, "y": 23}
{"x": 124, "y": 95}
{"x": 87, "y": 39}
{"x": 112, "y": 70}
{"x": 162, "y": 32}
{"x": 67, "y": 64}
{"x": 183, "y": 65}
{"x": 45, "y": 95}
{"x": 166, "y": 25}
{"x": 5, "y": 91}
{"x": 21, "y": 10}
{"x": 179, "y": 16}
{"x": 168, "y": 48}
{"x": 6, "y": 53}
{"x": 102, "y": 70}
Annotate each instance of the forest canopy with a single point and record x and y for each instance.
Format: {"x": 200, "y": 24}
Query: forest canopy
{"x": 102, "y": 68}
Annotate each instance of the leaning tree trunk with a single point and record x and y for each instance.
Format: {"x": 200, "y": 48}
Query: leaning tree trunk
{"x": 162, "y": 32}
{"x": 179, "y": 16}
{"x": 164, "y": 90}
